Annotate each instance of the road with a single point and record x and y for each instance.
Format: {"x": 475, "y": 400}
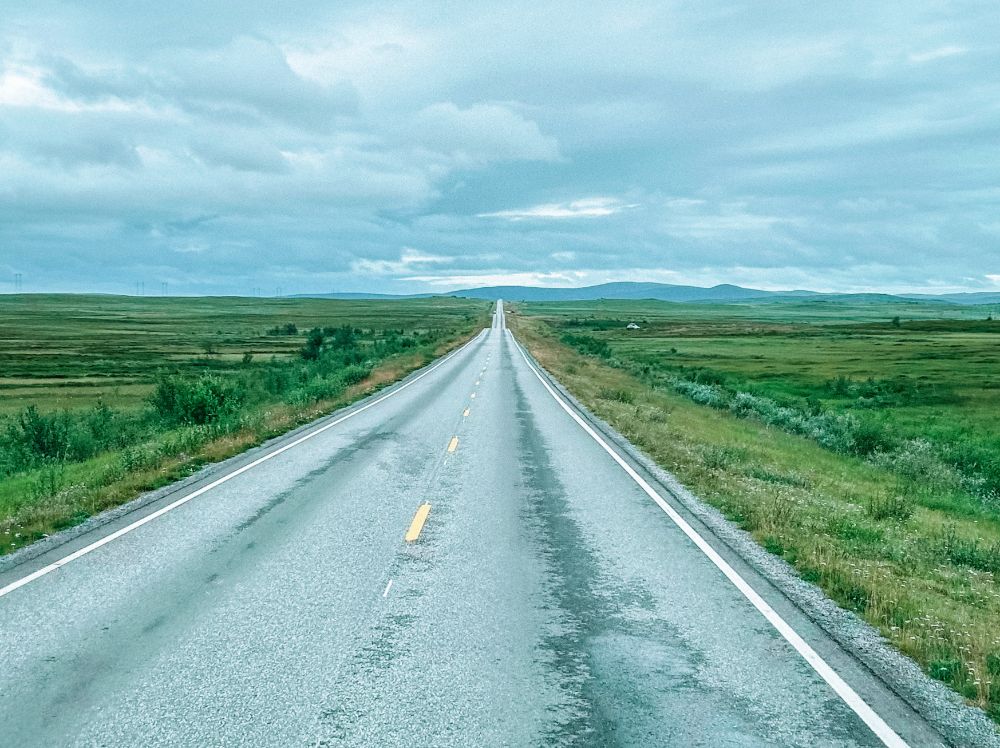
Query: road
{"x": 547, "y": 599}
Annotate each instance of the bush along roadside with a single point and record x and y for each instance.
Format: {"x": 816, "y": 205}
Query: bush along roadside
{"x": 58, "y": 468}
{"x": 938, "y": 467}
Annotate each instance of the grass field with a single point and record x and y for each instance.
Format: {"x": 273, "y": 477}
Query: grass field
{"x": 67, "y": 351}
{"x": 103, "y": 397}
{"x": 862, "y": 448}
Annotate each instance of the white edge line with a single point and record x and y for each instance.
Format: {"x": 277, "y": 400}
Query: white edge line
{"x": 850, "y": 697}
{"x": 219, "y": 481}
{"x": 387, "y": 588}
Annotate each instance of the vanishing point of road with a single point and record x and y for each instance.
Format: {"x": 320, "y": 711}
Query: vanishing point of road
{"x": 460, "y": 560}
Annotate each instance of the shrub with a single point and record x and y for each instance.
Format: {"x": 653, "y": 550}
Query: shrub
{"x": 206, "y": 399}
{"x": 48, "y": 482}
{"x": 135, "y": 458}
{"x": 289, "y": 328}
{"x": 621, "y": 396}
{"x": 41, "y": 435}
{"x": 979, "y": 464}
{"x": 32, "y": 438}
{"x": 869, "y": 437}
{"x": 893, "y": 507}
{"x": 774, "y": 513}
{"x": 840, "y": 386}
{"x": 314, "y": 345}
{"x": 703, "y": 394}
{"x": 715, "y": 458}
{"x": 341, "y": 337}
{"x": 277, "y": 380}
{"x": 315, "y": 390}
{"x": 968, "y": 551}
{"x": 588, "y": 345}
{"x": 354, "y": 374}
{"x": 918, "y": 460}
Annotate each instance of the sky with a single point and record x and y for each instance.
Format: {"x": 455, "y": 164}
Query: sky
{"x": 246, "y": 147}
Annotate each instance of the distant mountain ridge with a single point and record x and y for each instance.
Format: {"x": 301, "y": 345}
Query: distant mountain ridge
{"x": 625, "y": 290}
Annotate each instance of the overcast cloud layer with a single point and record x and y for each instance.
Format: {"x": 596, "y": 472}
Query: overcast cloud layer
{"x": 318, "y": 146}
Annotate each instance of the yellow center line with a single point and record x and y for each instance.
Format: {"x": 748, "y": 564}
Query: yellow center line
{"x": 418, "y": 522}
{"x": 473, "y": 395}
{"x": 466, "y": 413}
{"x": 477, "y": 383}
{"x": 453, "y": 444}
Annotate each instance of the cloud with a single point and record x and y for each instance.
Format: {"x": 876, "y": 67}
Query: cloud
{"x": 250, "y": 76}
{"x": 410, "y": 260}
{"x": 699, "y": 220}
{"x": 940, "y": 53}
{"x": 459, "y": 282}
{"x": 590, "y": 207}
{"x": 28, "y": 87}
{"x": 482, "y": 133}
{"x": 302, "y": 145}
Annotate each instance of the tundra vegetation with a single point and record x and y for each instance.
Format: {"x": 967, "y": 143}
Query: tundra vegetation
{"x": 857, "y": 440}
{"x": 104, "y": 397}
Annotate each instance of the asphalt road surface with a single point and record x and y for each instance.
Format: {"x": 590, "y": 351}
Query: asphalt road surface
{"x": 548, "y": 599}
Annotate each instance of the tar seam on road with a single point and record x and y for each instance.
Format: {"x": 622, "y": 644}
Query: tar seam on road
{"x": 849, "y": 696}
{"x": 6, "y": 590}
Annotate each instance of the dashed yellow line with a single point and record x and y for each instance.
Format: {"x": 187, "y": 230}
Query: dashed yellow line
{"x": 418, "y": 522}
{"x": 466, "y": 413}
{"x": 453, "y": 444}
{"x": 473, "y": 395}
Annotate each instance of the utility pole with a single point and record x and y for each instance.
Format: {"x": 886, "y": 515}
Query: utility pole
{"x": 18, "y": 285}
{"x": 163, "y": 288}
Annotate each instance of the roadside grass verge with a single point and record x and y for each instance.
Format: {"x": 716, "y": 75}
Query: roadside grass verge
{"x": 917, "y": 560}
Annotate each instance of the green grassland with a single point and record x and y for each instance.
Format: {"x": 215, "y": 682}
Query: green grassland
{"x": 862, "y": 448}
{"x": 103, "y": 397}
{"x": 906, "y": 372}
{"x": 67, "y": 351}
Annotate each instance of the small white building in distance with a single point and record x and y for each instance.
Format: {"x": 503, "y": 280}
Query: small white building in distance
{"x": 631, "y": 326}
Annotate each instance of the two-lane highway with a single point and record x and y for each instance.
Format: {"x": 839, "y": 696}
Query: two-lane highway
{"x": 460, "y": 562}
